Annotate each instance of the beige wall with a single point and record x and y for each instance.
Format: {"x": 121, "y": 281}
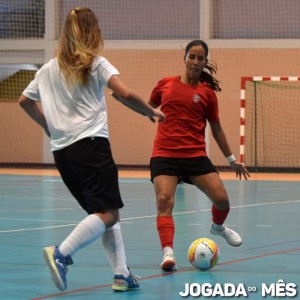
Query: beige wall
{"x": 132, "y": 135}
{"x": 21, "y": 140}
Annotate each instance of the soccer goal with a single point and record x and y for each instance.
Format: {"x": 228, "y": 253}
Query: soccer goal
{"x": 269, "y": 123}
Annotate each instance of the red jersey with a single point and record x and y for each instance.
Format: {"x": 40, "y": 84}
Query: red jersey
{"x": 187, "y": 108}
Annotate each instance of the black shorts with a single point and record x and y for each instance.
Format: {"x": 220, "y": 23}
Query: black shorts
{"x": 88, "y": 170}
{"x": 183, "y": 168}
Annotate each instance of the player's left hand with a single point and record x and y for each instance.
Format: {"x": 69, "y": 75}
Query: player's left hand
{"x": 240, "y": 170}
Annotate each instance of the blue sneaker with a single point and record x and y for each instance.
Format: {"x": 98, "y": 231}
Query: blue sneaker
{"x": 57, "y": 264}
{"x": 123, "y": 284}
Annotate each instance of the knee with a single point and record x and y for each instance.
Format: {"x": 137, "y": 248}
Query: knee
{"x": 221, "y": 202}
{"x": 109, "y": 217}
{"x": 164, "y": 202}
{"x": 222, "y": 205}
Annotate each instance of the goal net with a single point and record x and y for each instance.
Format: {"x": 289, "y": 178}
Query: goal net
{"x": 270, "y": 109}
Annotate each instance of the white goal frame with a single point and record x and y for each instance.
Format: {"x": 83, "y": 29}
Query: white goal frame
{"x": 243, "y": 103}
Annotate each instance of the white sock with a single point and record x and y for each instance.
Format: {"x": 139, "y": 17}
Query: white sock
{"x": 114, "y": 247}
{"x": 168, "y": 250}
{"x": 218, "y": 227}
{"x": 86, "y": 232}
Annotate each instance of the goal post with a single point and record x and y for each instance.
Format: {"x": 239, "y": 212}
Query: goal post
{"x": 269, "y": 123}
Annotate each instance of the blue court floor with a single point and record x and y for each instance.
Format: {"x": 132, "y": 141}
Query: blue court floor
{"x": 37, "y": 211}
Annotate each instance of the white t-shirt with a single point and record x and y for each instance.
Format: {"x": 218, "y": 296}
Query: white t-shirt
{"x": 72, "y": 113}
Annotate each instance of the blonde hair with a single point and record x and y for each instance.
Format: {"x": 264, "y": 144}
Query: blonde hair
{"x": 80, "y": 42}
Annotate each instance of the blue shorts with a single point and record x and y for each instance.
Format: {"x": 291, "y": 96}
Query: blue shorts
{"x": 183, "y": 168}
{"x": 88, "y": 170}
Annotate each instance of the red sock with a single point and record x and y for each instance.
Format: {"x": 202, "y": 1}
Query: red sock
{"x": 166, "y": 231}
{"x": 219, "y": 216}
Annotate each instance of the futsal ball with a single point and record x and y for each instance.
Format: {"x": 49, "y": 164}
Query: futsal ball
{"x": 203, "y": 254}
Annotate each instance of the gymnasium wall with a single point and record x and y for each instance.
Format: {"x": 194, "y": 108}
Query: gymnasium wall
{"x": 145, "y": 40}
{"x": 132, "y": 135}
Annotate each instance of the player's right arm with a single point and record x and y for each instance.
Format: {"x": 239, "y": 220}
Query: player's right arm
{"x": 33, "y": 109}
{"x": 130, "y": 99}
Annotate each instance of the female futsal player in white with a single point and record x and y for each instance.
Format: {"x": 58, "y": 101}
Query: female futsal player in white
{"x": 74, "y": 116}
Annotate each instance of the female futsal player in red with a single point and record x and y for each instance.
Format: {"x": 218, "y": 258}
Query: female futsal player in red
{"x": 179, "y": 153}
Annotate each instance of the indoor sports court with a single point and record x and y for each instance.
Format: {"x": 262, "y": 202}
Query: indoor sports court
{"x": 37, "y": 209}
{"x": 256, "y": 48}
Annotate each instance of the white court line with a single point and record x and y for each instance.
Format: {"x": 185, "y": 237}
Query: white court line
{"x": 40, "y": 210}
{"x": 151, "y": 216}
{"x": 265, "y": 203}
{"x": 36, "y": 228}
{"x": 35, "y": 220}
{"x": 154, "y": 216}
